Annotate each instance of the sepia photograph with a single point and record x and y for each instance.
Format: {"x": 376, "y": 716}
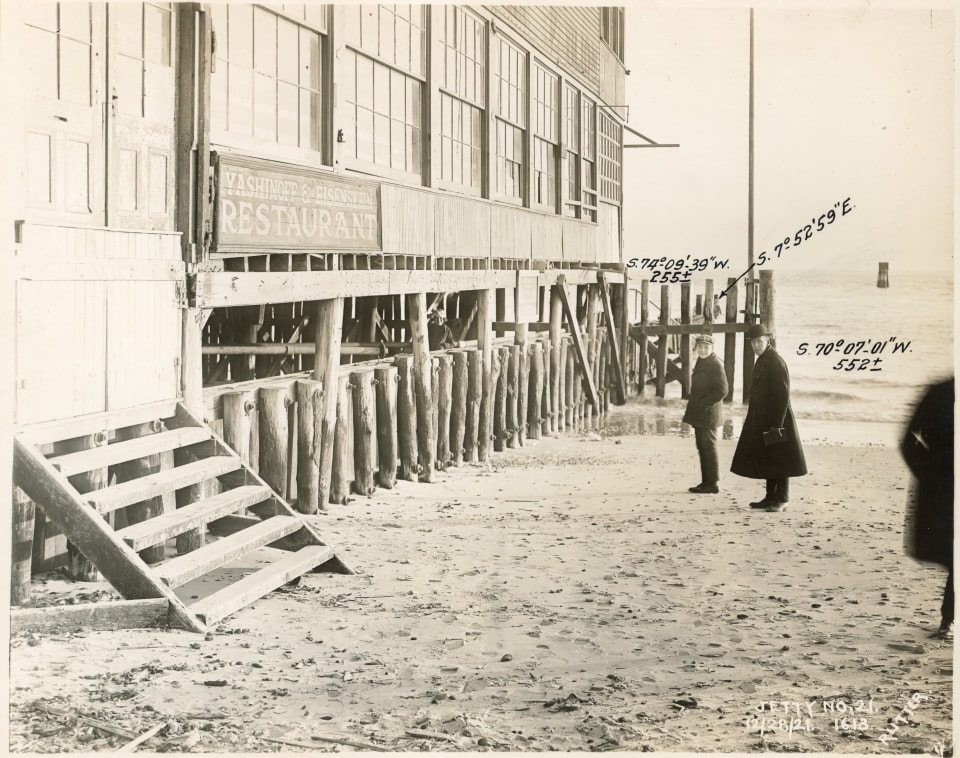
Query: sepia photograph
{"x": 478, "y": 378}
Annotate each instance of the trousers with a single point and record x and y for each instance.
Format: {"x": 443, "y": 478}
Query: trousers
{"x": 707, "y": 448}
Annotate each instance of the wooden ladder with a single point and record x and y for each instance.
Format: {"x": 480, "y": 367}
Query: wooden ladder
{"x": 244, "y": 516}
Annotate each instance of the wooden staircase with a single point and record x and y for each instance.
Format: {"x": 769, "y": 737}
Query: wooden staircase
{"x": 247, "y": 519}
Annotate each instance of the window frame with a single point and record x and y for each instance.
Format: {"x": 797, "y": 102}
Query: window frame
{"x": 609, "y": 153}
{"x": 536, "y": 138}
{"x": 221, "y": 136}
{"x": 520, "y": 125}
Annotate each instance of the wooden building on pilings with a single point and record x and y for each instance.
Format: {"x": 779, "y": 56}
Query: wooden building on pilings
{"x": 199, "y": 185}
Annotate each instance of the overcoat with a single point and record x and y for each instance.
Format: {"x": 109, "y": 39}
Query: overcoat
{"x": 927, "y": 448}
{"x": 708, "y": 387}
{"x": 769, "y": 406}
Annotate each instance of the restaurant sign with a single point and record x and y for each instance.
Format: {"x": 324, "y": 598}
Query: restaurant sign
{"x": 264, "y": 204}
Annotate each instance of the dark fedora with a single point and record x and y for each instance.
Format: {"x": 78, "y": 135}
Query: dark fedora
{"x": 756, "y": 331}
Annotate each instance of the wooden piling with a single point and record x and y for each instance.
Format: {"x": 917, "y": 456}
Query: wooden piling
{"x": 513, "y": 373}
{"x": 603, "y": 359}
{"x": 546, "y": 402}
{"x": 23, "y": 519}
{"x": 444, "y": 392}
{"x": 240, "y": 425}
{"x": 80, "y": 569}
{"x": 274, "y": 430}
{"x": 730, "y": 338}
{"x": 749, "y": 317}
{"x": 883, "y": 275}
{"x": 685, "y": 362}
{"x": 458, "y": 406}
{"x": 593, "y": 312}
{"x": 643, "y": 357}
{"x": 534, "y": 406}
{"x": 569, "y": 382}
{"x": 556, "y": 371}
{"x": 423, "y": 383}
{"x": 709, "y": 303}
{"x": 406, "y": 418}
{"x": 328, "y": 320}
{"x": 662, "y": 341}
{"x": 309, "y": 437}
{"x": 485, "y": 346}
{"x": 364, "y": 428}
{"x": 135, "y": 469}
{"x": 523, "y": 380}
{"x": 768, "y": 312}
{"x": 474, "y": 388}
{"x": 385, "y": 378}
{"x": 340, "y": 464}
{"x": 500, "y": 432}
{"x": 563, "y": 407}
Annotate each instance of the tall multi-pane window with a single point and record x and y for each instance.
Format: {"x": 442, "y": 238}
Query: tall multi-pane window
{"x": 610, "y": 158}
{"x": 588, "y": 146}
{"x": 143, "y": 47}
{"x": 57, "y": 45}
{"x": 571, "y": 161}
{"x": 266, "y": 82}
{"x": 545, "y": 136}
{"x": 462, "y": 97}
{"x": 611, "y": 29}
{"x": 384, "y": 76}
{"x": 510, "y": 86}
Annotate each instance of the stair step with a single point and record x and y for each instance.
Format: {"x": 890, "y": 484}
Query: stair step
{"x": 257, "y": 584}
{"x": 128, "y": 450}
{"x": 180, "y": 570}
{"x": 153, "y": 485}
{"x": 199, "y": 514}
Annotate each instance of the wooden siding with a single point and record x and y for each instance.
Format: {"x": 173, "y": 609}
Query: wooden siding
{"x": 566, "y": 35}
{"x": 511, "y": 232}
{"x": 612, "y": 79}
{"x": 579, "y": 241}
{"x": 547, "y": 241}
{"x": 463, "y": 227}
{"x": 608, "y": 233}
{"x": 407, "y": 220}
{"x": 104, "y": 334}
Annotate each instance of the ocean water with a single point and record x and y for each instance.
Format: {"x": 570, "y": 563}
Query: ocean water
{"x": 909, "y": 326}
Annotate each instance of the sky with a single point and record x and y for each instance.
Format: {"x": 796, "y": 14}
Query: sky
{"x": 852, "y": 103}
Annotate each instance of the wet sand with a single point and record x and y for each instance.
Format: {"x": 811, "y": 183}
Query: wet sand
{"x": 570, "y": 596}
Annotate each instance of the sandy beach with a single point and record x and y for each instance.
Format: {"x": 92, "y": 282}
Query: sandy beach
{"x": 571, "y": 595}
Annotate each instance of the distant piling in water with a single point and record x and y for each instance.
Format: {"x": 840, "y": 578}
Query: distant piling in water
{"x": 883, "y": 275}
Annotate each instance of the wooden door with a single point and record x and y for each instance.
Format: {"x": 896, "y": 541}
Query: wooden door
{"x": 63, "y": 149}
{"x": 141, "y": 106}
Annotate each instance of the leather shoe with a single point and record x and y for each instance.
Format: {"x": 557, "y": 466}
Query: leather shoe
{"x": 762, "y": 504}
{"x": 705, "y": 489}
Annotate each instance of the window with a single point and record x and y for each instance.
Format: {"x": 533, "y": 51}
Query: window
{"x": 610, "y": 158}
{"x": 462, "y": 97}
{"x": 58, "y": 42}
{"x": 267, "y": 79}
{"x": 511, "y": 92}
{"x": 571, "y": 162}
{"x": 384, "y": 79}
{"x": 143, "y": 46}
{"x": 588, "y": 144}
{"x": 611, "y": 29}
{"x": 545, "y": 137}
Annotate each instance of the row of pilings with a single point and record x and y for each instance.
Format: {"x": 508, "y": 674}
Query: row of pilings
{"x": 391, "y": 423}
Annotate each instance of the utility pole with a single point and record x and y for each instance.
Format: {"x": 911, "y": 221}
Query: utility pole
{"x": 751, "y": 275}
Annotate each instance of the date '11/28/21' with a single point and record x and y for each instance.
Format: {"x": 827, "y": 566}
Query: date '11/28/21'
{"x": 806, "y": 232}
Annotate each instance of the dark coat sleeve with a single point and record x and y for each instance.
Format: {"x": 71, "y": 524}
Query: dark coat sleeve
{"x": 717, "y": 385}
{"x": 779, "y": 391}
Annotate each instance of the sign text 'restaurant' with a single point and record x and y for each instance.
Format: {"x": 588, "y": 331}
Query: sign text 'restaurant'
{"x": 262, "y": 205}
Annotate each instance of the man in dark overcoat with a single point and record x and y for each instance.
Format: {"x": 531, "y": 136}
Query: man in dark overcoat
{"x": 769, "y": 446}
{"x": 708, "y": 388}
{"x": 927, "y": 448}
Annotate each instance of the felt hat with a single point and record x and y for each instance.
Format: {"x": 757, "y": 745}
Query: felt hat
{"x": 756, "y": 331}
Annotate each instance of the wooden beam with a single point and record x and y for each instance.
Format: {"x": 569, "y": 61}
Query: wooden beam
{"x": 217, "y": 289}
{"x": 581, "y": 353}
{"x": 654, "y": 330}
{"x": 94, "y": 617}
{"x": 619, "y": 383}
{"x": 82, "y": 426}
{"x": 98, "y": 270}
